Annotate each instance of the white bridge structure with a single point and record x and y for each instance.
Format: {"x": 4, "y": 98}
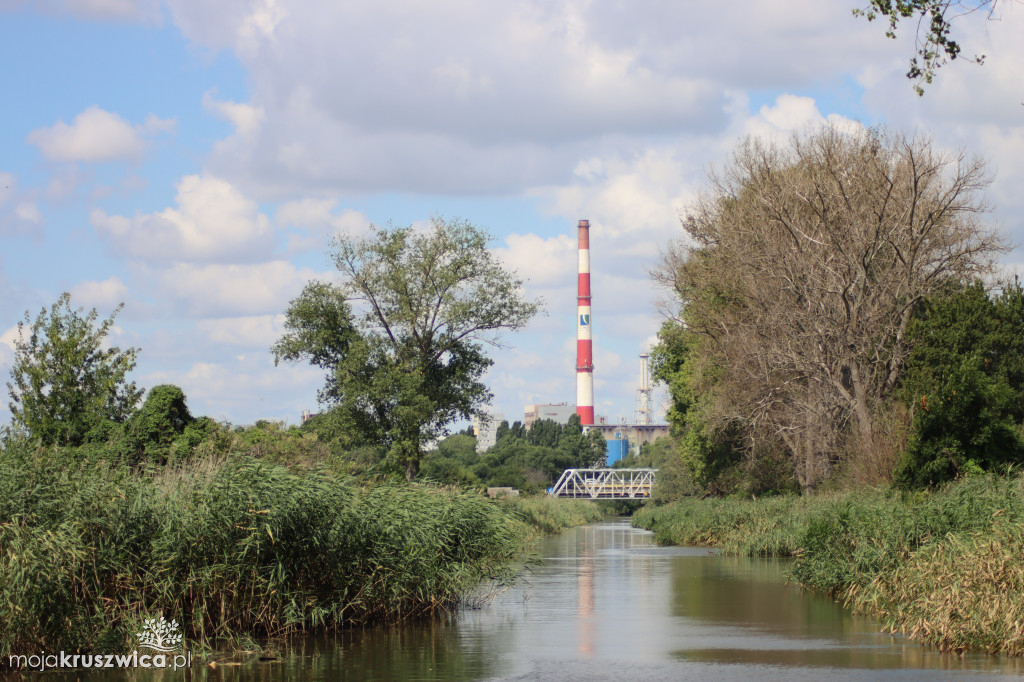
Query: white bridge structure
{"x": 605, "y": 484}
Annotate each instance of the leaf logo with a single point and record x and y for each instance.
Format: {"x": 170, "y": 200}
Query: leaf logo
{"x": 160, "y": 635}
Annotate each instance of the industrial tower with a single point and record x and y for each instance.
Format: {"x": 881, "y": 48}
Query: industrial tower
{"x": 584, "y": 343}
{"x": 644, "y": 406}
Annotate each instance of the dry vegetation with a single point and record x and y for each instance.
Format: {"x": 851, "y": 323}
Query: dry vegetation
{"x": 943, "y": 567}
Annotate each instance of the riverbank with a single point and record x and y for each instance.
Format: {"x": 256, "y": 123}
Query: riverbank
{"x": 945, "y": 567}
{"x": 235, "y": 548}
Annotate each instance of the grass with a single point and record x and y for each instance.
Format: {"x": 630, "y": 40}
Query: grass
{"x": 235, "y": 547}
{"x": 550, "y": 514}
{"x": 944, "y": 567}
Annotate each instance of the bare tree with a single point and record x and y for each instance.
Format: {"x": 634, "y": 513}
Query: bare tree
{"x": 805, "y": 263}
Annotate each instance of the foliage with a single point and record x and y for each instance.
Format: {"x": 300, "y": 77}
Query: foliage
{"x": 154, "y": 430}
{"x": 979, "y": 581}
{"x": 940, "y": 565}
{"x": 711, "y": 452}
{"x": 409, "y": 360}
{"x": 803, "y": 268}
{"x": 551, "y": 514}
{"x": 65, "y": 383}
{"x": 965, "y": 384}
{"x": 227, "y": 546}
{"x": 934, "y": 21}
{"x": 319, "y": 329}
{"x": 675, "y": 480}
{"x": 452, "y": 462}
{"x": 528, "y": 460}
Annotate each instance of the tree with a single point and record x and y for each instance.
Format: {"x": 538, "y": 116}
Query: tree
{"x": 320, "y": 330}
{"x": 934, "y": 47}
{"x": 64, "y": 381}
{"x": 403, "y": 334}
{"x": 805, "y": 265}
{"x": 155, "y": 429}
{"x": 964, "y": 384}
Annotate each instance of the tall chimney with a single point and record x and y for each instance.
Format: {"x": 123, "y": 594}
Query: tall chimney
{"x": 584, "y": 345}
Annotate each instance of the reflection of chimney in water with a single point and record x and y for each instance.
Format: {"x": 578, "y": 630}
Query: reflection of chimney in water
{"x": 585, "y": 605}
{"x": 584, "y": 343}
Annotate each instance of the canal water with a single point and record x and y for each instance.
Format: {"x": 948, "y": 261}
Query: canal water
{"x": 606, "y": 603}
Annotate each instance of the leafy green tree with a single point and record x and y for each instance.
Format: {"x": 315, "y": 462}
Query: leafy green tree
{"x": 964, "y": 385}
{"x": 404, "y": 340}
{"x": 153, "y": 431}
{"x": 584, "y": 449}
{"x": 544, "y": 432}
{"x": 65, "y": 383}
{"x": 502, "y": 431}
{"x": 319, "y": 329}
{"x": 934, "y": 47}
{"x": 707, "y": 450}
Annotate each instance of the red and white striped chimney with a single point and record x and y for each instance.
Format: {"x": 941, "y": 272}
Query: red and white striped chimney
{"x": 584, "y": 343}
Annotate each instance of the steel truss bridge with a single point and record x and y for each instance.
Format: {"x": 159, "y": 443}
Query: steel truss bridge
{"x": 605, "y": 484}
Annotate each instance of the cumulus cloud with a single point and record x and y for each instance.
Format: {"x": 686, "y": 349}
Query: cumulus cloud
{"x": 96, "y": 135}
{"x": 255, "y": 331}
{"x": 245, "y": 118}
{"x": 19, "y": 212}
{"x": 976, "y": 108}
{"x": 143, "y": 11}
{"x": 243, "y": 388}
{"x": 234, "y": 290}
{"x": 104, "y": 295}
{"x": 213, "y": 221}
{"x": 542, "y": 262}
{"x": 791, "y": 113}
{"x": 316, "y": 220}
{"x": 493, "y": 97}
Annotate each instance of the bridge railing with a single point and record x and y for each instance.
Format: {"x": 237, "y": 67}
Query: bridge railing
{"x": 605, "y": 483}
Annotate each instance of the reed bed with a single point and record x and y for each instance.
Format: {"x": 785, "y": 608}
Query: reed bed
{"x": 550, "y": 514}
{"x": 230, "y": 548}
{"x": 945, "y": 567}
{"x": 963, "y": 592}
{"x": 769, "y": 527}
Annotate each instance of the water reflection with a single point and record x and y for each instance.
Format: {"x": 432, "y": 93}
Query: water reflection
{"x": 607, "y": 604}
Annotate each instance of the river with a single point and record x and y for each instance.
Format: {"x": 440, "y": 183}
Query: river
{"x": 606, "y": 603}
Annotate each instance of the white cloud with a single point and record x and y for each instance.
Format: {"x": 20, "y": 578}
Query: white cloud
{"x": 213, "y": 222}
{"x": 142, "y": 11}
{"x": 792, "y": 113}
{"x": 317, "y": 220}
{"x": 104, "y": 295}
{"x": 96, "y": 135}
{"x": 541, "y": 262}
{"x": 320, "y": 214}
{"x": 9, "y": 337}
{"x": 490, "y": 97}
{"x": 234, "y": 290}
{"x": 19, "y": 212}
{"x": 245, "y": 118}
{"x": 28, "y": 212}
{"x": 257, "y": 331}
{"x": 244, "y": 388}
{"x": 8, "y": 186}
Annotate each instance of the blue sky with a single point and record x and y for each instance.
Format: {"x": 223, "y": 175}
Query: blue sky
{"x": 193, "y": 159}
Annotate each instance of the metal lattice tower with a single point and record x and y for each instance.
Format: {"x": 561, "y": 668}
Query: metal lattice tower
{"x": 644, "y": 406}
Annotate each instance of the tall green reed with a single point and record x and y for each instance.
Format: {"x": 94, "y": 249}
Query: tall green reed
{"x": 229, "y": 547}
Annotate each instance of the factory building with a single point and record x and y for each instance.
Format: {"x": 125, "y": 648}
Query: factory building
{"x": 624, "y": 439}
{"x": 558, "y": 413}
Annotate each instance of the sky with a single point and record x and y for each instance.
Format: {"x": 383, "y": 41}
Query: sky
{"x": 193, "y": 159}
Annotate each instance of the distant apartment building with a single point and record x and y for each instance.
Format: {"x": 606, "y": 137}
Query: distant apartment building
{"x": 485, "y": 427}
{"x": 558, "y": 413}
